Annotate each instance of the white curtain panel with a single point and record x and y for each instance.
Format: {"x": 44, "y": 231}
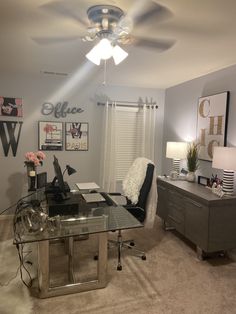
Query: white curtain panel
{"x": 108, "y": 158}
{"x": 147, "y": 117}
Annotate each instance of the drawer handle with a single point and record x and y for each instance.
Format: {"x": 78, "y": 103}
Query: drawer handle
{"x": 194, "y": 203}
{"x": 161, "y": 187}
{"x": 175, "y": 193}
{"x": 173, "y": 218}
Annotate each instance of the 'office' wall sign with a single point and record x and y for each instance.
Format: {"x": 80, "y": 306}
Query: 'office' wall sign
{"x": 59, "y": 110}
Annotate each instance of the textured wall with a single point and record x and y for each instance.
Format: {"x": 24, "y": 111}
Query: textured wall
{"x": 181, "y": 111}
{"x": 37, "y": 90}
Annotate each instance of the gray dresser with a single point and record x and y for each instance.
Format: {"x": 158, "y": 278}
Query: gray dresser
{"x": 198, "y": 214}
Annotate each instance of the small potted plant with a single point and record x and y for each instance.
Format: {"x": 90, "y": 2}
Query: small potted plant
{"x": 192, "y": 161}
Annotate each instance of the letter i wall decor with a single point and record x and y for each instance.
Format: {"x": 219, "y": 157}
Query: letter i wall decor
{"x": 212, "y": 123}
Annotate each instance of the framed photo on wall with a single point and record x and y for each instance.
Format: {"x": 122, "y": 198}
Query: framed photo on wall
{"x": 212, "y": 123}
{"x": 50, "y": 135}
{"x": 11, "y": 107}
{"x": 76, "y": 136}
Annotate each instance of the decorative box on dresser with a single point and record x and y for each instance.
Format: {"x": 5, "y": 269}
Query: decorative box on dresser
{"x": 195, "y": 212}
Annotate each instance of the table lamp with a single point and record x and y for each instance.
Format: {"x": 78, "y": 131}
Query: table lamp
{"x": 177, "y": 151}
{"x": 225, "y": 158}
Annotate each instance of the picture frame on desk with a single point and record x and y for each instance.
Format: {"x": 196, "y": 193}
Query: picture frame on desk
{"x": 203, "y": 181}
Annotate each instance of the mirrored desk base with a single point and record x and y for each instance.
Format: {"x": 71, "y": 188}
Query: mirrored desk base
{"x": 44, "y": 290}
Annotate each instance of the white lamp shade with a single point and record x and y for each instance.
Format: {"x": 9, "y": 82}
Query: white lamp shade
{"x": 94, "y": 55}
{"x": 176, "y": 150}
{"x": 119, "y": 54}
{"x": 224, "y": 158}
{"x": 105, "y": 49}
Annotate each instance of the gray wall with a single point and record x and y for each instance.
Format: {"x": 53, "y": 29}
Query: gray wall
{"x": 77, "y": 91}
{"x": 181, "y": 111}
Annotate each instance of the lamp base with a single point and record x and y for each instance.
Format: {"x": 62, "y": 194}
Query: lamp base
{"x": 174, "y": 175}
{"x": 176, "y": 165}
{"x": 228, "y": 182}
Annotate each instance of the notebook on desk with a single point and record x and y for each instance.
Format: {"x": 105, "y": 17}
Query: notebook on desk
{"x": 93, "y": 197}
{"x": 87, "y": 186}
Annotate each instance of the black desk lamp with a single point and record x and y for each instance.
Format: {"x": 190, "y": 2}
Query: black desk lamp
{"x": 69, "y": 170}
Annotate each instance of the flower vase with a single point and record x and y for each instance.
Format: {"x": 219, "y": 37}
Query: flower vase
{"x": 191, "y": 176}
{"x": 31, "y": 173}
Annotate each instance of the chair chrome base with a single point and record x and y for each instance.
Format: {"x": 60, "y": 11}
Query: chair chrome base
{"x": 119, "y": 243}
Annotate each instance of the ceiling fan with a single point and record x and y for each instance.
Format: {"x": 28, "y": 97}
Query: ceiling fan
{"x": 109, "y": 23}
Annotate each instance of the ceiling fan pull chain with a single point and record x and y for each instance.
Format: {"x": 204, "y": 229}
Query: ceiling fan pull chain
{"x": 105, "y": 73}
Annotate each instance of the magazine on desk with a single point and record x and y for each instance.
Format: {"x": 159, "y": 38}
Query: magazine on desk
{"x": 93, "y": 197}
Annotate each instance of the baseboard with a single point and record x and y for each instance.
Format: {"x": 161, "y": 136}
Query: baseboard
{"x": 6, "y": 217}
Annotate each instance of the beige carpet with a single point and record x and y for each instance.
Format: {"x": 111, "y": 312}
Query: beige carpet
{"x": 171, "y": 280}
{"x": 14, "y": 296}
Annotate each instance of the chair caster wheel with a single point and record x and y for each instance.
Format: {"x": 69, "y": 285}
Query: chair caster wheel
{"x": 131, "y": 243}
{"x": 95, "y": 257}
{"x": 144, "y": 257}
{"x": 119, "y": 267}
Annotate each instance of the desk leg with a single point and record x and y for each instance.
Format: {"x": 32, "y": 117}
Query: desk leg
{"x": 46, "y": 291}
{"x": 71, "y": 259}
{"x": 102, "y": 260}
{"x": 43, "y": 267}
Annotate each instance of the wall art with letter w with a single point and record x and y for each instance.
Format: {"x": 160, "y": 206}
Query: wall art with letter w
{"x": 10, "y": 135}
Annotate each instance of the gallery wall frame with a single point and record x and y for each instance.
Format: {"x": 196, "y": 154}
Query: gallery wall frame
{"x": 212, "y": 120}
{"x": 11, "y": 107}
{"x": 50, "y": 135}
{"x": 76, "y": 136}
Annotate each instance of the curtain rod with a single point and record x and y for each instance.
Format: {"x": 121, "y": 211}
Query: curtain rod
{"x": 129, "y": 104}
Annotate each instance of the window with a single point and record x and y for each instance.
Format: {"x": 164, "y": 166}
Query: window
{"x": 128, "y": 139}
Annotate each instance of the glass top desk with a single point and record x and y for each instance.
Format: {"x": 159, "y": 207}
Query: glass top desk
{"x": 89, "y": 220}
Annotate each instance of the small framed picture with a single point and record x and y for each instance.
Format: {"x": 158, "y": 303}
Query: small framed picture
{"x": 11, "y": 107}
{"x": 50, "y": 135}
{"x": 76, "y": 136}
{"x": 203, "y": 181}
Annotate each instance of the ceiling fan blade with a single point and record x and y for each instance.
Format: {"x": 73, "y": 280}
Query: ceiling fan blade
{"x": 157, "y": 44}
{"x": 54, "y": 40}
{"x": 151, "y": 11}
{"x": 59, "y": 7}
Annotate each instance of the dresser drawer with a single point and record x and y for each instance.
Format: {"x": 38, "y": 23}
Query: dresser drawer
{"x": 196, "y": 223}
{"x": 176, "y": 216}
{"x": 175, "y": 198}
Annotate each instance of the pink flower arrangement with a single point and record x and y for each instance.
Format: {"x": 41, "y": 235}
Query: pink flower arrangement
{"x": 35, "y": 159}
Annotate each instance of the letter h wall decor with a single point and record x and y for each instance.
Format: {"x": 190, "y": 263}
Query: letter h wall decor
{"x": 212, "y": 123}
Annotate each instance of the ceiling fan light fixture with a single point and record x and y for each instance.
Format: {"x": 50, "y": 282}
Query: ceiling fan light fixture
{"x": 94, "y": 55}
{"x": 105, "y": 49}
{"x": 119, "y": 54}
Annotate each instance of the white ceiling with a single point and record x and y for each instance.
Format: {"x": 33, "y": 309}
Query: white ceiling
{"x": 203, "y": 30}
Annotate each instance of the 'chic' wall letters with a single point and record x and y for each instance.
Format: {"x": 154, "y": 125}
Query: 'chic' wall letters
{"x": 212, "y": 121}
